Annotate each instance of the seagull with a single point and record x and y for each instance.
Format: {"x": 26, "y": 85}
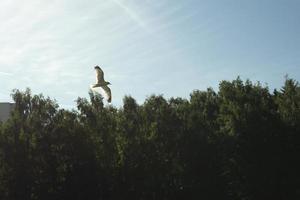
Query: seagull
{"x": 100, "y": 82}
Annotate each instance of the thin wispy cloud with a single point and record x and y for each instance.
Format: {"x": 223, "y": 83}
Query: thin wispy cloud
{"x": 131, "y": 13}
{"x": 5, "y": 73}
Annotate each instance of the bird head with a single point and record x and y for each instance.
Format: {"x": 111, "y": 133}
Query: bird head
{"x": 97, "y": 67}
{"x": 108, "y": 83}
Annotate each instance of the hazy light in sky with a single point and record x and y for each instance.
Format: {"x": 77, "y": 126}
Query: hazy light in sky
{"x": 167, "y": 47}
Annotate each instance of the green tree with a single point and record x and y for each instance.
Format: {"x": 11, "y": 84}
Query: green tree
{"x": 241, "y": 142}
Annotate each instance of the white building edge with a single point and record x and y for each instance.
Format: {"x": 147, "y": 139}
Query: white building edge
{"x": 5, "y": 110}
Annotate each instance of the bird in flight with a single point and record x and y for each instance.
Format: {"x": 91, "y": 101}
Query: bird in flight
{"x": 100, "y": 82}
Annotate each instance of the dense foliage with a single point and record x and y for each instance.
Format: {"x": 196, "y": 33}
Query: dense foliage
{"x": 241, "y": 142}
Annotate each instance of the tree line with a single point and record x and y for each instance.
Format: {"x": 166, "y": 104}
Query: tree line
{"x": 241, "y": 142}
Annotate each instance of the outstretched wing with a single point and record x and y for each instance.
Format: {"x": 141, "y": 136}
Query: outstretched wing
{"x": 108, "y": 92}
{"x": 99, "y": 75}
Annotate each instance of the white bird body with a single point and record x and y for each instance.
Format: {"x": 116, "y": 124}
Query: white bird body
{"x": 100, "y": 82}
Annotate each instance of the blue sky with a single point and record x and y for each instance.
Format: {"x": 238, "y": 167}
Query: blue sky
{"x": 168, "y": 47}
